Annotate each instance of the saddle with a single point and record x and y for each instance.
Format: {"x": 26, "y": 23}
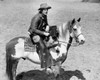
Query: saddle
{"x": 29, "y": 46}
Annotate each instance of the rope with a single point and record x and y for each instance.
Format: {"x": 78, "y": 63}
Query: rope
{"x": 72, "y": 44}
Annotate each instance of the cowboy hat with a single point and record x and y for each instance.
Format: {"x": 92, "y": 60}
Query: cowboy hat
{"x": 44, "y": 6}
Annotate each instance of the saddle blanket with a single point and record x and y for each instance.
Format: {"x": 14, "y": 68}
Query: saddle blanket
{"x": 29, "y": 46}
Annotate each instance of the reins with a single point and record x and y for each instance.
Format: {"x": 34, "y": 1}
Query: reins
{"x": 65, "y": 43}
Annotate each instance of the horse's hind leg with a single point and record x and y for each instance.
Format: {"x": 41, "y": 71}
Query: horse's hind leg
{"x": 14, "y": 67}
{"x": 11, "y": 65}
{"x": 14, "y": 49}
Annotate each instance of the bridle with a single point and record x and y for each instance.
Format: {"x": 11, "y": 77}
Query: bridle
{"x": 68, "y": 43}
{"x": 76, "y": 37}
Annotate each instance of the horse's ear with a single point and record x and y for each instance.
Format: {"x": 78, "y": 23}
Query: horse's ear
{"x": 79, "y": 20}
{"x": 73, "y": 21}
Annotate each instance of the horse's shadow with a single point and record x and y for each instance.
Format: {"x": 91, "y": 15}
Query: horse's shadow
{"x": 41, "y": 75}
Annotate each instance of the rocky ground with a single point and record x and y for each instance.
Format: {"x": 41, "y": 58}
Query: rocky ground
{"x": 15, "y": 17}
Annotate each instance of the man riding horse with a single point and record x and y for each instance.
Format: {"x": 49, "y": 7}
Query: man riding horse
{"x": 39, "y": 32}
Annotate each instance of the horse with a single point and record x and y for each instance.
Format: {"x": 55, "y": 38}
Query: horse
{"x": 15, "y": 48}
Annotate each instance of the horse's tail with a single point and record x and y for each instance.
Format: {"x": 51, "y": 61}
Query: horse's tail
{"x": 9, "y": 63}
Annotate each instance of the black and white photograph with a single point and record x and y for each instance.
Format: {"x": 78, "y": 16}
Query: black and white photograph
{"x": 49, "y": 39}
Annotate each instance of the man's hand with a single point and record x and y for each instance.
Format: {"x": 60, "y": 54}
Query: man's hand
{"x": 46, "y": 34}
{"x": 29, "y": 33}
{"x": 47, "y": 29}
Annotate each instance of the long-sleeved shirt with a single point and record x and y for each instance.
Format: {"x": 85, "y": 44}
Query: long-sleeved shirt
{"x": 38, "y": 24}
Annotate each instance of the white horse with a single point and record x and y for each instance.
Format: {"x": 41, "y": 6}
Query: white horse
{"x": 15, "y": 48}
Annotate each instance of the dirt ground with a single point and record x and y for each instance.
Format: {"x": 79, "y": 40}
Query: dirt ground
{"x": 15, "y": 17}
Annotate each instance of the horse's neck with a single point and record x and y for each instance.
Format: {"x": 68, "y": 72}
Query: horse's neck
{"x": 65, "y": 37}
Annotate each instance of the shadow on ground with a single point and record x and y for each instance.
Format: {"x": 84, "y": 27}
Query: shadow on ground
{"x": 41, "y": 75}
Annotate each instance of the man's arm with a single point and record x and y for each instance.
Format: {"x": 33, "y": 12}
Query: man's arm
{"x": 35, "y": 22}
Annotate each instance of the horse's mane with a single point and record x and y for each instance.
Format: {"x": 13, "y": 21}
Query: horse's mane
{"x": 64, "y": 28}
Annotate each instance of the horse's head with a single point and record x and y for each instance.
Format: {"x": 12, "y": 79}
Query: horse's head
{"x": 75, "y": 31}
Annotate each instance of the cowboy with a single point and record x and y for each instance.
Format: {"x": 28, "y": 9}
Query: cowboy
{"x": 38, "y": 32}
